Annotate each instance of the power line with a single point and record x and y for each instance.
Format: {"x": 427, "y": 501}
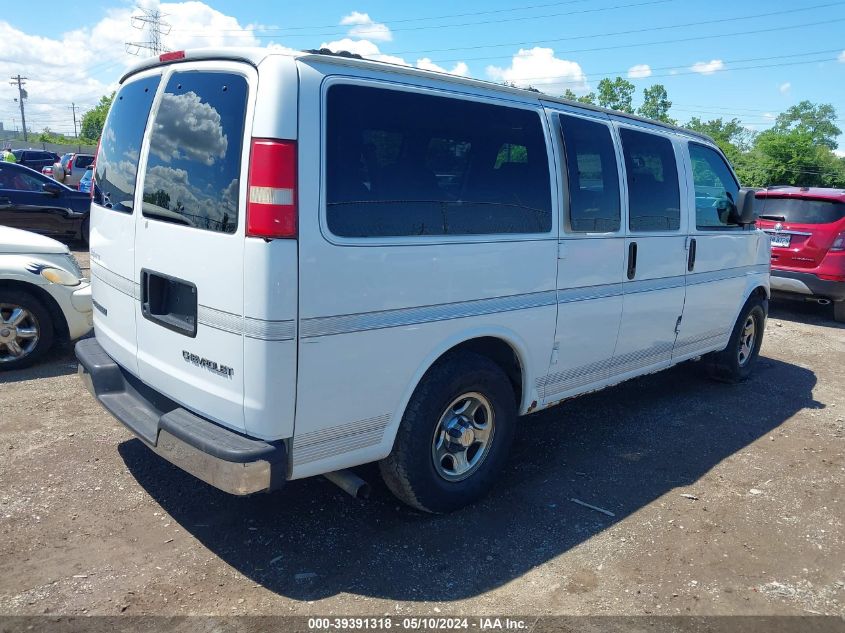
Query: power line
{"x": 615, "y": 33}
{"x": 658, "y": 42}
{"x": 151, "y": 20}
{"x": 363, "y": 33}
{"x": 404, "y": 20}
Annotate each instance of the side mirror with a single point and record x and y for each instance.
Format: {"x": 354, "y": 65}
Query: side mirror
{"x": 52, "y": 188}
{"x": 743, "y": 211}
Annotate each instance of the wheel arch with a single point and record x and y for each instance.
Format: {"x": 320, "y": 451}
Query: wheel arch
{"x": 59, "y": 323}
{"x": 494, "y": 342}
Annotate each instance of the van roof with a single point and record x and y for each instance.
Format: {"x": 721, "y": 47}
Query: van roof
{"x": 255, "y": 55}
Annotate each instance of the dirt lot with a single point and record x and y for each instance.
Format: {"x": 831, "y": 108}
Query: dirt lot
{"x": 94, "y": 523}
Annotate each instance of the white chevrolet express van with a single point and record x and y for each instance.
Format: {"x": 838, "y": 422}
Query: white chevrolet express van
{"x": 305, "y": 263}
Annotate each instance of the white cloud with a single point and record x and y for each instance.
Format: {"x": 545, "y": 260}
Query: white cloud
{"x": 708, "y": 68}
{"x": 840, "y": 153}
{"x": 639, "y": 71}
{"x": 460, "y": 69}
{"x": 785, "y": 88}
{"x": 370, "y": 50}
{"x": 364, "y": 48}
{"x": 841, "y": 57}
{"x": 540, "y": 68}
{"x": 363, "y": 26}
{"x": 99, "y": 58}
{"x": 187, "y": 127}
{"x": 769, "y": 116}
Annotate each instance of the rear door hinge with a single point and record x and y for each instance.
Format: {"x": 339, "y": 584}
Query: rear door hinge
{"x": 678, "y": 324}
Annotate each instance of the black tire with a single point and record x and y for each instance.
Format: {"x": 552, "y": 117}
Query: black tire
{"x": 727, "y": 366}
{"x": 85, "y": 230}
{"x": 409, "y": 471}
{"x": 40, "y": 317}
{"x": 839, "y": 311}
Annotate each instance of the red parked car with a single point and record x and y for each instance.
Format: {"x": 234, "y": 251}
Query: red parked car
{"x": 807, "y": 231}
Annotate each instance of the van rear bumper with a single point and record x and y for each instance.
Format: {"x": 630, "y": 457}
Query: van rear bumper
{"x": 225, "y": 459}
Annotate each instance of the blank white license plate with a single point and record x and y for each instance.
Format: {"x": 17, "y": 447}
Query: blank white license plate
{"x": 780, "y": 240}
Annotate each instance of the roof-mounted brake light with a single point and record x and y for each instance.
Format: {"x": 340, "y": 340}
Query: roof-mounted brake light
{"x": 172, "y": 56}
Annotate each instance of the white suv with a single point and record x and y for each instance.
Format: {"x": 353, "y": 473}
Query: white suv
{"x": 43, "y": 297}
{"x": 306, "y": 263}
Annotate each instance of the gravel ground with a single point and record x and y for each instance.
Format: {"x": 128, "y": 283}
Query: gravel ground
{"x": 726, "y": 500}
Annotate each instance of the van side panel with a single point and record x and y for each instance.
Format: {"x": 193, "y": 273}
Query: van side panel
{"x": 374, "y": 312}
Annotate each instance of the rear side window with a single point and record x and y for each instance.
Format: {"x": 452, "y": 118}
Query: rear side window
{"x": 654, "y": 199}
{"x": 716, "y": 190}
{"x": 120, "y": 144}
{"x": 193, "y": 170}
{"x": 592, "y": 175}
{"x": 406, "y": 164}
{"x": 800, "y": 210}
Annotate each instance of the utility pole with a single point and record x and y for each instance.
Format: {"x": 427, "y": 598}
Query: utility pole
{"x": 73, "y": 108}
{"x": 19, "y": 82}
{"x": 151, "y": 20}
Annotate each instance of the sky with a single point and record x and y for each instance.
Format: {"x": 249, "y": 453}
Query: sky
{"x": 750, "y": 60}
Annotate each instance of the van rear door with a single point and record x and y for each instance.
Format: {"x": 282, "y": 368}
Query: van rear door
{"x": 112, "y": 238}
{"x": 189, "y": 240}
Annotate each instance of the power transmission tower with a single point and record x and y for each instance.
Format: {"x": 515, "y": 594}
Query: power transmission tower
{"x": 73, "y": 108}
{"x": 152, "y": 21}
{"x": 22, "y": 94}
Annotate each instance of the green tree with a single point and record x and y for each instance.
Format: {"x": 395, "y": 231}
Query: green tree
{"x": 617, "y": 94}
{"x": 656, "y": 104}
{"x": 94, "y": 120}
{"x": 590, "y": 97}
{"x": 817, "y": 120}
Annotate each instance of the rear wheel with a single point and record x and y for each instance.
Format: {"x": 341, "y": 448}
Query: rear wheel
{"x": 736, "y": 362}
{"x": 839, "y": 311}
{"x": 455, "y": 435}
{"x": 26, "y": 331}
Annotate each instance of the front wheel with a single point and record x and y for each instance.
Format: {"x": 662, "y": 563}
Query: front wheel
{"x": 455, "y": 435}
{"x": 26, "y": 331}
{"x": 736, "y": 362}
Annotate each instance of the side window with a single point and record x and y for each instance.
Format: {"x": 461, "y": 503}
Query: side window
{"x": 82, "y": 162}
{"x": 120, "y": 145}
{"x": 654, "y": 198}
{"x": 716, "y": 190}
{"x": 194, "y": 165}
{"x": 594, "y": 205}
{"x": 408, "y": 164}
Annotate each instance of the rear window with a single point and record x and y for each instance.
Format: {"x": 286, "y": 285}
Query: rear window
{"x": 800, "y": 210}
{"x": 408, "y": 164}
{"x": 120, "y": 144}
{"x": 193, "y": 171}
{"x": 82, "y": 162}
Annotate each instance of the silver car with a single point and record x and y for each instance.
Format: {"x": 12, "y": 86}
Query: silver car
{"x": 71, "y": 168}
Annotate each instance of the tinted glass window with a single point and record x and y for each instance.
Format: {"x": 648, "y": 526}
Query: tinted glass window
{"x": 800, "y": 210}
{"x": 593, "y": 178}
{"x": 716, "y": 191}
{"x": 654, "y": 199}
{"x": 19, "y": 179}
{"x": 194, "y": 166}
{"x": 82, "y": 162}
{"x": 401, "y": 163}
{"x": 120, "y": 144}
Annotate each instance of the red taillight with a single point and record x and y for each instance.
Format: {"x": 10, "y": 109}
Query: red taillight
{"x": 171, "y": 56}
{"x": 839, "y": 243}
{"x": 271, "y": 198}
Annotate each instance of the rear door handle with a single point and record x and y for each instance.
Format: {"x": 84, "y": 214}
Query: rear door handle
{"x": 691, "y": 256}
{"x": 632, "y": 260}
